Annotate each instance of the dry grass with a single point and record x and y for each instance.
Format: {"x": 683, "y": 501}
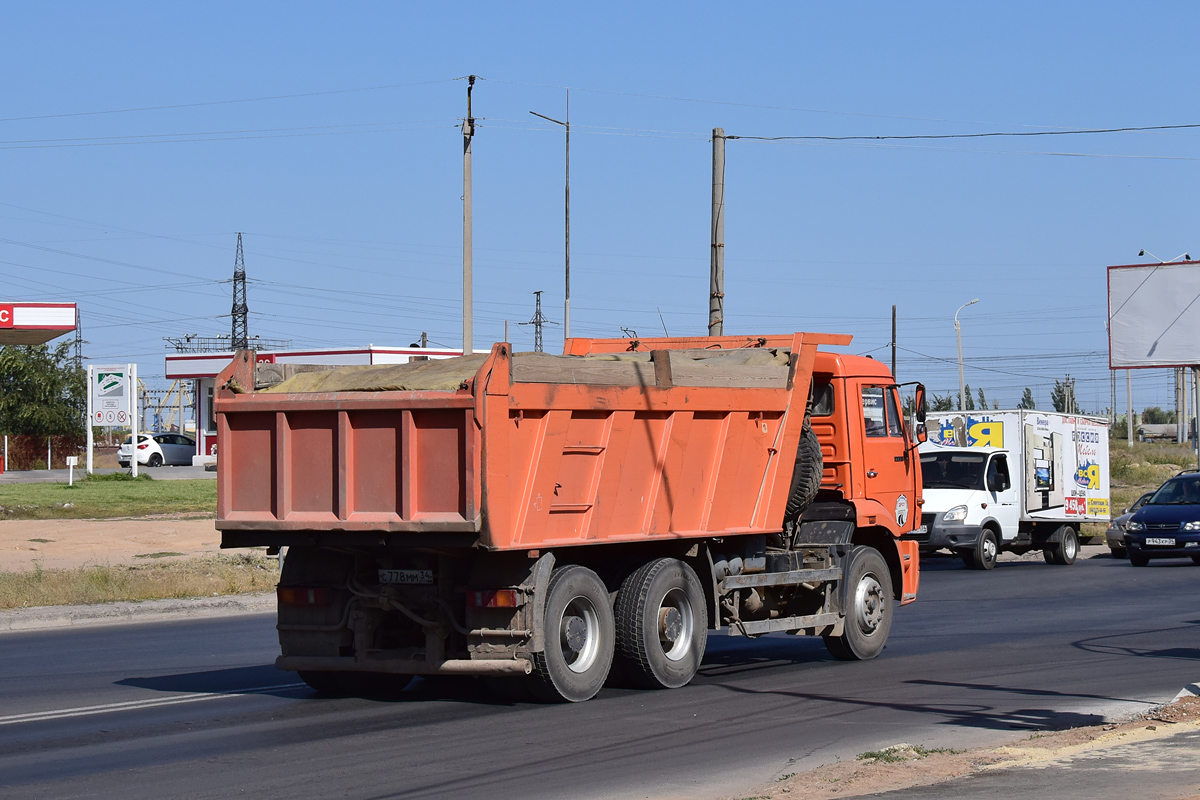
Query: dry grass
{"x": 1143, "y": 468}
{"x": 197, "y": 577}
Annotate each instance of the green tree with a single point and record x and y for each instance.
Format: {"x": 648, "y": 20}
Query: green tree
{"x": 42, "y": 392}
{"x": 1027, "y": 400}
{"x": 1154, "y": 415}
{"x": 942, "y": 402}
{"x": 970, "y": 404}
{"x": 1058, "y": 396}
{"x": 982, "y": 401}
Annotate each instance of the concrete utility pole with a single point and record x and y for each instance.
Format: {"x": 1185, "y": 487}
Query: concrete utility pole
{"x": 1196, "y": 386}
{"x": 716, "y": 283}
{"x": 468, "y": 129}
{"x": 894, "y": 345}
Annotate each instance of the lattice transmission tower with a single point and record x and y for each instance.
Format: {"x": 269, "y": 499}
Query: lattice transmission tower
{"x": 240, "y": 333}
{"x": 538, "y": 322}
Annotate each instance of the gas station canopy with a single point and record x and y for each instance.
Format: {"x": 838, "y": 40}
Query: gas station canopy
{"x": 35, "y": 323}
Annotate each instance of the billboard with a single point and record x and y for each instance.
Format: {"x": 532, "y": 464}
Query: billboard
{"x": 1154, "y": 315}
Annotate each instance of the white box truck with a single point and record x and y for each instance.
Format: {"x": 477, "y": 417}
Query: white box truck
{"x": 1012, "y": 481}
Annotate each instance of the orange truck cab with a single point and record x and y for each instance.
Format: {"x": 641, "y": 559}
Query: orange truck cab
{"x": 545, "y": 517}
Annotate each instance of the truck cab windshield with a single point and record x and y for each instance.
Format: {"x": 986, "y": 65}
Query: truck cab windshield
{"x": 952, "y": 470}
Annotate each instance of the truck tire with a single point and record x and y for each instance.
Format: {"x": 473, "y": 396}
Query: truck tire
{"x": 806, "y": 474}
{"x": 985, "y": 553}
{"x": 330, "y": 570}
{"x": 1063, "y": 547}
{"x": 662, "y": 625}
{"x": 579, "y": 635}
{"x": 867, "y": 603}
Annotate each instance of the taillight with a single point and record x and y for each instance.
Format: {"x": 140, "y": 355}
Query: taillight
{"x": 493, "y": 598}
{"x": 142, "y": 446}
{"x": 302, "y": 596}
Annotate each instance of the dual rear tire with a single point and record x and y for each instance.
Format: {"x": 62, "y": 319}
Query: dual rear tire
{"x": 656, "y": 631}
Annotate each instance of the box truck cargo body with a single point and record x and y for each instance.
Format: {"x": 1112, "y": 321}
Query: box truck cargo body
{"x": 1012, "y": 481}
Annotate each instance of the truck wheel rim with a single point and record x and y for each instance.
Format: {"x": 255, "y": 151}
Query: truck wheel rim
{"x": 1069, "y": 546}
{"x": 869, "y": 604}
{"x": 989, "y": 549}
{"x": 676, "y": 624}
{"x": 579, "y": 634}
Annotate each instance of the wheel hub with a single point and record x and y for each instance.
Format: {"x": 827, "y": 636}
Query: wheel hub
{"x": 574, "y": 633}
{"x": 989, "y": 549}
{"x": 670, "y": 624}
{"x": 869, "y": 604}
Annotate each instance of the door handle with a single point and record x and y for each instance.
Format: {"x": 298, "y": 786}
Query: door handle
{"x": 871, "y": 473}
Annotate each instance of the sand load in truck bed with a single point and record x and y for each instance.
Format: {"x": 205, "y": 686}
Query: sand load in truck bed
{"x": 752, "y": 367}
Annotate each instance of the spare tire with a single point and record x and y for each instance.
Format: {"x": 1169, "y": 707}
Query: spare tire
{"x": 806, "y": 475}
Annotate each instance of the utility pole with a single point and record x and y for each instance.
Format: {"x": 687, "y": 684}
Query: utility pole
{"x": 567, "y": 238}
{"x": 1129, "y": 407}
{"x": 468, "y": 130}
{"x": 538, "y": 321}
{"x": 239, "y": 334}
{"x": 716, "y": 283}
{"x": 894, "y": 344}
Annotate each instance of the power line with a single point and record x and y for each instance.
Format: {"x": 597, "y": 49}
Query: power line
{"x": 968, "y": 135}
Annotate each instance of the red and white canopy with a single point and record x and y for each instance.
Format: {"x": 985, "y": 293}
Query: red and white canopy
{"x": 35, "y": 323}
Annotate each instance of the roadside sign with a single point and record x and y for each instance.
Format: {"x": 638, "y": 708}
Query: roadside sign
{"x": 112, "y": 402}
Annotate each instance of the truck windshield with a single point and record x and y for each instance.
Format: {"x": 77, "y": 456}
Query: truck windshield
{"x": 952, "y": 470}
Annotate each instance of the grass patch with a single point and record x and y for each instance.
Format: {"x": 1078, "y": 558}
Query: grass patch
{"x": 162, "y": 554}
{"x": 198, "y": 577}
{"x": 902, "y": 752}
{"x": 100, "y": 496}
{"x": 42, "y": 541}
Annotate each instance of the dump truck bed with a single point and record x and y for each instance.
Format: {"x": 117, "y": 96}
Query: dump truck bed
{"x": 620, "y": 440}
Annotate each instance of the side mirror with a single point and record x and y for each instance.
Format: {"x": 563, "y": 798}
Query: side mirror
{"x": 919, "y": 402}
{"x": 922, "y": 434}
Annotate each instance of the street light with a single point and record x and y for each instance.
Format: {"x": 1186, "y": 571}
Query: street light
{"x": 567, "y": 294}
{"x": 962, "y": 384}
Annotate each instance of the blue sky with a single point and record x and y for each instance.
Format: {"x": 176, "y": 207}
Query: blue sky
{"x": 347, "y": 184}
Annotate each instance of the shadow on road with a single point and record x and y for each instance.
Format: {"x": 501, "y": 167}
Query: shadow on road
{"x": 1109, "y": 644}
{"x": 230, "y": 680}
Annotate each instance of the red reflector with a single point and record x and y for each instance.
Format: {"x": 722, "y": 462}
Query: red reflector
{"x": 493, "y": 598}
{"x": 302, "y": 596}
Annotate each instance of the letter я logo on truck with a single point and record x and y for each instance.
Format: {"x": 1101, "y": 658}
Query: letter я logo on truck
{"x": 968, "y": 431}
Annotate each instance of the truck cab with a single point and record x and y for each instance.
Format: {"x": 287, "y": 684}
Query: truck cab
{"x": 970, "y": 504}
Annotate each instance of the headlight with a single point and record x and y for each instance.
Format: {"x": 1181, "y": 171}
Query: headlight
{"x": 1134, "y": 526}
{"x": 1191, "y": 526}
{"x": 956, "y": 514}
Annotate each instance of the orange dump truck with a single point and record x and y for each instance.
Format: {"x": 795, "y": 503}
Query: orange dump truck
{"x": 560, "y": 517}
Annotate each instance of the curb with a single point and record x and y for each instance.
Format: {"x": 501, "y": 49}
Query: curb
{"x": 126, "y": 613}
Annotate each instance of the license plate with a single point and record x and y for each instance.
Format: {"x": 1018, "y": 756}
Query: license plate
{"x": 411, "y": 577}
{"x": 1160, "y": 540}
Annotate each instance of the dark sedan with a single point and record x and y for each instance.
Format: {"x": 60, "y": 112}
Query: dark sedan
{"x": 1168, "y": 525}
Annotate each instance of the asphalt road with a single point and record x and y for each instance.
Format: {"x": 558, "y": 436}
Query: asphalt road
{"x": 196, "y": 709}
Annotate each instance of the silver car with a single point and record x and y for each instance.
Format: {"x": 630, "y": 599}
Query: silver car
{"x": 1114, "y": 537}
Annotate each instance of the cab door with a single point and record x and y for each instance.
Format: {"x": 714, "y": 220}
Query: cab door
{"x": 1003, "y": 503}
{"x": 887, "y": 458}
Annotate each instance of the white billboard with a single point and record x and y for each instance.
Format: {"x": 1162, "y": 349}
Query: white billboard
{"x": 1154, "y": 315}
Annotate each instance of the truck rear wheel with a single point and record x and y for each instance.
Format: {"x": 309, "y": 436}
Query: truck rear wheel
{"x": 1063, "y": 547}
{"x": 985, "y": 552}
{"x": 579, "y": 635}
{"x": 662, "y": 625}
{"x": 806, "y": 475}
{"x": 867, "y": 604}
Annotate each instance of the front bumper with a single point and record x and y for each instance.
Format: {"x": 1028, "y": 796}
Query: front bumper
{"x": 942, "y": 535}
{"x": 1114, "y": 536}
{"x": 1185, "y": 545}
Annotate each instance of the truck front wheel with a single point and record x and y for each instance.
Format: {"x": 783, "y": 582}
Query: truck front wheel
{"x": 662, "y": 625}
{"x": 579, "y": 635}
{"x": 867, "y": 604}
{"x": 985, "y": 552}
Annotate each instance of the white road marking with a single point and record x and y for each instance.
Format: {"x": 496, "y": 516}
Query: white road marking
{"x": 132, "y": 705}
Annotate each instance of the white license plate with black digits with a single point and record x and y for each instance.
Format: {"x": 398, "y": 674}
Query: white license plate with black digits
{"x": 1160, "y": 540}
{"x": 409, "y": 577}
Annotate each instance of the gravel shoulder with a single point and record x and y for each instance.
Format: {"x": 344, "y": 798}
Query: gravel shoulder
{"x": 26, "y": 545}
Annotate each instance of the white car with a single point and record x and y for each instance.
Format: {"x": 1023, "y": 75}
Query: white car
{"x": 157, "y": 449}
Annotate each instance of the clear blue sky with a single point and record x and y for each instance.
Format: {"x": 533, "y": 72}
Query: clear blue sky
{"x": 349, "y": 196}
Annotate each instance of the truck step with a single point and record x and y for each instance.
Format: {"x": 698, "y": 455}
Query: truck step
{"x": 780, "y": 578}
